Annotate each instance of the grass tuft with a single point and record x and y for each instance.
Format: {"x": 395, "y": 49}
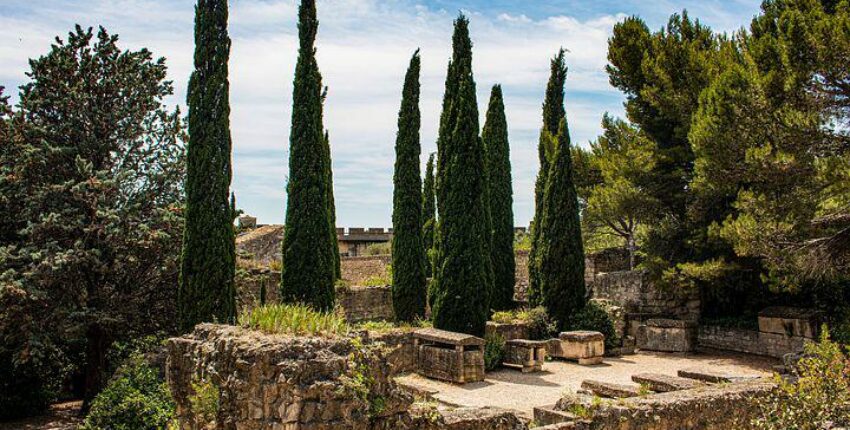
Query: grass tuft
{"x": 297, "y": 320}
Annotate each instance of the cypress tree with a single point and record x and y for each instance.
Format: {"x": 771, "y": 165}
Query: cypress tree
{"x": 429, "y": 214}
{"x": 332, "y": 207}
{"x": 561, "y": 251}
{"x": 408, "y": 250}
{"x": 309, "y": 260}
{"x": 497, "y": 150}
{"x": 553, "y": 113}
{"x": 464, "y": 276}
{"x": 207, "y": 267}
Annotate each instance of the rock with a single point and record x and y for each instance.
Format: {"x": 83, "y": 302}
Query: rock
{"x": 547, "y": 415}
{"x": 712, "y": 376}
{"x": 613, "y": 391}
{"x": 664, "y": 383}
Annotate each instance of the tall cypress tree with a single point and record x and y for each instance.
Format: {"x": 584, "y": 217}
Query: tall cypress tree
{"x": 497, "y": 150}
{"x": 332, "y": 206}
{"x": 553, "y": 113}
{"x": 309, "y": 270}
{"x": 429, "y": 213}
{"x": 208, "y": 261}
{"x": 464, "y": 276}
{"x": 408, "y": 250}
{"x": 561, "y": 268}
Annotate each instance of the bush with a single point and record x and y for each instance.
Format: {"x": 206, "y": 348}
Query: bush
{"x": 384, "y": 248}
{"x": 494, "y": 351}
{"x": 136, "y": 399}
{"x": 295, "y": 320}
{"x": 820, "y": 396}
{"x": 540, "y": 326}
{"x": 594, "y": 317}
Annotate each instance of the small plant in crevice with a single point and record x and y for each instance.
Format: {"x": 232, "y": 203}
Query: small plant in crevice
{"x": 358, "y": 381}
{"x": 205, "y": 402}
{"x": 494, "y": 351}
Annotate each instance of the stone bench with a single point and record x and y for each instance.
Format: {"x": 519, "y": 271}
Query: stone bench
{"x": 668, "y": 335}
{"x": 527, "y": 355}
{"x": 588, "y": 347}
{"x": 609, "y": 390}
{"x": 664, "y": 383}
{"x": 449, "y": 356}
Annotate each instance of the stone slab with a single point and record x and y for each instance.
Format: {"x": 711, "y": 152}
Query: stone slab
{"x": 548, "y": 415}
{"x": 666, "y": 337}
{"x": 581, "y": 336}
{"x": 790, "y": 321}
{"x": 670, "y": 323}
{"x": 447, "y": 337}
{"x": 664, "y": 383}
{"x": 609, "y": 390}
{"x": 706, "y": 375}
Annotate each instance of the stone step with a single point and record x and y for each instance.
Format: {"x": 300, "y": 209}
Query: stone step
{"x": 613, "y": 391}
{"x": 664, "y": 383}
{"x": 548, "y": 415}
{"x": 712, "y": 376}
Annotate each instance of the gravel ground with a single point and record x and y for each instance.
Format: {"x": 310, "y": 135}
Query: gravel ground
{"x": 61, "y": 416}
{"x": 521, "y": 392}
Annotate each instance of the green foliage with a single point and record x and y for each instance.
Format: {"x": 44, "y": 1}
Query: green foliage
{"x": 383, "y": 248}
{"x": 94, "y": 221}
{"x": 494, "y": 351}
{"x": 560, "y": 259}
{"x": 464, "y": 273}
{"x": 553, "y": 112}
{"x": 205, "y": 402}
{"x": 309, "y": 256}
{"x": 593, "y": 317}
{"x": 409, "y": 258}
{"x": 540, "y": 326}
{"x": 819, "y": 396}
{"x": 136, "y": 399}
{"x": 497, "y": 151}
{"x": 207, "y": 290}
{"x": 429, "y": 214}
{"x": 294, "y": 319}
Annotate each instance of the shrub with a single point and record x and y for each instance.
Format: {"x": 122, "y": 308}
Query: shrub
{"x": 594, "y": 317}
{"x": 540, "y": 326}
{"x": 205, "y": 402}
{"x": 384, "y": 248}
{"x": 504, "y": 317}
{"x": 819, "y": 397}
{"x": 295, "y": 320}
{"x": 136, "y": 399}
{"x": 494, "y": 351}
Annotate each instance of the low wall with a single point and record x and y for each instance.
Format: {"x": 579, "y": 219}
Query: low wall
{"x": 749, "y": 341}
{"x": 366, "y": 303}
{"x": 636, "y": 294}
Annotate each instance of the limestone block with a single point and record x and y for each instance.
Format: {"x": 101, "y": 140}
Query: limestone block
{"x": 790, "y": 321}
{"x": 527, "y": 355}
{"x": 509, "y": 331}
{"x": 668, "y": 335}
{"x": 588, "y": 347}
{"x": 609, "y": 390}
{"x": 664, "y": 383}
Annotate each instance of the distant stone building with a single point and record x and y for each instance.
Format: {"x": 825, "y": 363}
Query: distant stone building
{"x": 356, "y": 240}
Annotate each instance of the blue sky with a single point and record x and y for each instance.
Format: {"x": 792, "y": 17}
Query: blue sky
{"x": 363, "y": 49}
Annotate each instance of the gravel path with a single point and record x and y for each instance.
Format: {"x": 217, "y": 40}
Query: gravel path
{"x": 61, "y": 416}
{"x": 521, "y": 392}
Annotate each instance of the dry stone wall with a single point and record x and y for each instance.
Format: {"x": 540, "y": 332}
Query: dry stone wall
{"x": 637, "y": 295}
{"x": 366, "y": 303}
{"x": 749, "y": 341}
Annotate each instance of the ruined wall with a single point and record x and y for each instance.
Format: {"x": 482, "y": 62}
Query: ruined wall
{"x": 639, "y": 297}
{"x": 749, "y": 341}
{"x": 300, "y": 383}
{"x": 366, "y": 303}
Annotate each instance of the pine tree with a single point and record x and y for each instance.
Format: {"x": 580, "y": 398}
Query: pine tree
{"x": 497, "y": 150}
{"x": 408, "y": 250}
{"x": 429, "y": 214}
{"x": 309, "y": 271}
{"x": 561, "y": 250}
{"x": 464, "y": 276}
{"x": 553, "y": 113}
{"x": 206, "y": 287}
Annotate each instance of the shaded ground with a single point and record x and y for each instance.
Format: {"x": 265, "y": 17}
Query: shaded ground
{"x": 62, "y": 416}
{"x": 521, "y": 392}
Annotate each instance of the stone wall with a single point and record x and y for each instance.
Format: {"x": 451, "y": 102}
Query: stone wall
{"x": 366, "y": 303}
{"x": 639, "y": 297}
{"x": 298, "y": 383}
{"x": 749, "y": 341}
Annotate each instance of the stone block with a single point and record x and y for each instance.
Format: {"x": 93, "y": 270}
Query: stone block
{"x": 790, "y": 321}
{"x": 668, "y": 335}
{"x": 527, "y": 355}
{"x": 711, "y": 375}
{"x": 449, "y": 356}
{"x": 609, "y": 390}
{"x": 548, "y": 415}
{"x": 664, "y": 383}
{"x": 509, "y": 331}
{"x": 588, "y": 347}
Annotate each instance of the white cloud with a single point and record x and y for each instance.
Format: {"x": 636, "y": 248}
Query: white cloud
{"x": 363, "y": 50}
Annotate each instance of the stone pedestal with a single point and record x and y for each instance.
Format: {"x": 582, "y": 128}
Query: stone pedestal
{"x": 526, "y": 355}
{"x": 788, "y": 321}
{"x": 588, "y": 347}
{"x": 668, "y": 335}
{"x": 449, "y": 356}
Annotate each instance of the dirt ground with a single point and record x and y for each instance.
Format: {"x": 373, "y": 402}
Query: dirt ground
{"x": 62, "y": 416}
{"x": 521, "y": 392}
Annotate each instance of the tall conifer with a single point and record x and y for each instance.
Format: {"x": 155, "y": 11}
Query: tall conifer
{"x": 464, "y": 275}
{"x": 429, "y": 213}
{"x": 408, "y": 250}
{"x": 497, "y": 150}
{"x": 553, "y": 113}
{"x": 332, "y": 207}
{"x": 561, "y": 250}
{"x": 207, "y": 268}
{"x": 309, "y": 262}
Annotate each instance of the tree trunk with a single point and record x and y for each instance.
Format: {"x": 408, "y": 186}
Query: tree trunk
{"x": 632, "y": 248}
{"x": 96, "y": 345}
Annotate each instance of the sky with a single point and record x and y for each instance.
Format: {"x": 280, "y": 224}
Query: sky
{"x": 363, "y": 49}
